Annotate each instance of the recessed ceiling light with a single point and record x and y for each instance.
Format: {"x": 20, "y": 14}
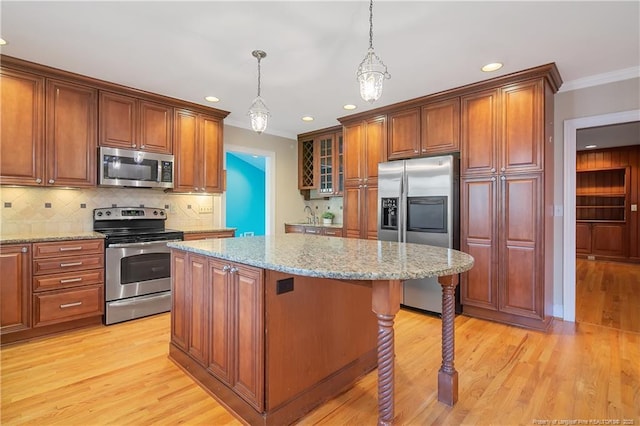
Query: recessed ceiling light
{"x": 590, "y": 146}
{"x": 349, "y": 107}
{"x": 307, "y": 118}
{"x": 493, "y": 66}
{"x": 211, "y": 99}
{"x": 2, "y": 42}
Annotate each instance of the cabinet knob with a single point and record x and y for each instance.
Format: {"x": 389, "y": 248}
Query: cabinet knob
{"x": 133, "y": 145}
{"x": 503, "y": 178}
{"x": 51, "y": 181}
{"x": 365, "y": 186}
{"x": 226, "y": 268}
{"x": 502, "y": 169}
{"x": 415, "y": 151}
{"x": 493, "y": 170}
{"x": 493, "y": 178}
{"x": 38, "y": 180}
{"x": 142, "y": 146}
{"x": 424, "y": 149}
{"x": 233, "y": 270}
{"x": 24, "y": 249}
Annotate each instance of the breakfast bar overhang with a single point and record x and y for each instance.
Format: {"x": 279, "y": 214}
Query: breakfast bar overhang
{"x": 228, "y": 309}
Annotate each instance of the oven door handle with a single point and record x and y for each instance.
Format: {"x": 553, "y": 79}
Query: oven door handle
{"x": 144, "y": 244}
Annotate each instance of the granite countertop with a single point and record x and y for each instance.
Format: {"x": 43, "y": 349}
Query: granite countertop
{"x": 331, "y": 257}
{"x": 39, "y": 237}
{"x": 318, "y": 225}
{"x": 190, "y": 230}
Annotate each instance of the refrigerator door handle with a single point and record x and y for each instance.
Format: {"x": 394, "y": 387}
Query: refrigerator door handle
{"x": 402, "y": 228}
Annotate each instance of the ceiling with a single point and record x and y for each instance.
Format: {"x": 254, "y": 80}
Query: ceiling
{"x": 608, "y": 136}
{"x": 188, "y": 50}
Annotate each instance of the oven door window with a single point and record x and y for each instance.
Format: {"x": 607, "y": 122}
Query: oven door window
{"x": 145, "y": 267}
{"x": 427, "y": 214}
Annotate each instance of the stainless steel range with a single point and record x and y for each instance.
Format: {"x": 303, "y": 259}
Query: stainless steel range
{"x": 137, "y": 261}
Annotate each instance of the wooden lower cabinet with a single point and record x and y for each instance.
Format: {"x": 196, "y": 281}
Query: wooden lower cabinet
{"x": 602, "y": 240}
{"x": 502, "y": 228}
{"x": 361, "y": 212}
{"x": 329, "y": 231}
{"x": 270, "y": 346}
{"x": 218, "y": 320}
{"x": 15, "y": 304}
{"x": 50, "y": 287}
{"x": 190, "y": 236}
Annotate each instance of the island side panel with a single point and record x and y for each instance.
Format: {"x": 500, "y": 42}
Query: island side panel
{"x": 318, "y": 329}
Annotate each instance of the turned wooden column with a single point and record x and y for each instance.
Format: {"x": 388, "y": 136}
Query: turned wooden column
{"x": 447, "y": 375}
{"x": 386, "y": 299}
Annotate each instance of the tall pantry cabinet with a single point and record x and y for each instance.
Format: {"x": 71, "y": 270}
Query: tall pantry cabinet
{"x": 507, "y": 198}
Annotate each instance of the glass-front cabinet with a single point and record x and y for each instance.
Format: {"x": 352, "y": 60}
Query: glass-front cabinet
{"x": 321, "y": 165}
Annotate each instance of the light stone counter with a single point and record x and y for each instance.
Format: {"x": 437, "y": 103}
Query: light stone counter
{"x": 331, "y": 257}
{"x": 48, "y": 236}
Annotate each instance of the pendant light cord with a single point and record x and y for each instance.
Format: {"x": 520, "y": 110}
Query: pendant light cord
{"x": 259, "y": 76}
{"x": 371, "y": 24}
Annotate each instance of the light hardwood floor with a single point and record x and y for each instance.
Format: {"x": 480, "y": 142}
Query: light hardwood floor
{"x": 120, "y": 375}
{"x": 608, "y": 293}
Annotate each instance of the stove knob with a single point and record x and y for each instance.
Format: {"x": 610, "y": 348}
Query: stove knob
{"x": 108, "y": 213}
{"x": 161, "y": 213}
{"x": 155, "y": 212}
{"x": 99, "y": 214}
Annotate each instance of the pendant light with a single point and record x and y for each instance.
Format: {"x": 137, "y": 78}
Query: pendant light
{"x": 372, "y": 71}
{"x": 259, "y": 113}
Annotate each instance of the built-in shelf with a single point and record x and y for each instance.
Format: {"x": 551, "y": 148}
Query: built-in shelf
{"x": 601, "y": 195}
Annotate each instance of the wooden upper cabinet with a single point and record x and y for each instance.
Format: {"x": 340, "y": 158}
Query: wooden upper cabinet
{"x": 479, "y": 129}
{"x": 21, "y": 128}
{"x": 522, "y": 147}
{"x": 307, "y": 159}
{"x": 71, "y": 124}
{"x": 404, "y": 134}
{"x": 198, "y": 158}
{"x": 441, "y": 127}
{"x": 131, "y": 123}
{"x": 352, "y": 156}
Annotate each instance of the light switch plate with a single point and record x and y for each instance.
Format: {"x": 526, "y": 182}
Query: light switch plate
{"x": 558, "y": 211}
{"x": 634, "y": 207}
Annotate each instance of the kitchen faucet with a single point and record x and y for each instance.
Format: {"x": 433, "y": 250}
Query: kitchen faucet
{"x": 313, "y": 215}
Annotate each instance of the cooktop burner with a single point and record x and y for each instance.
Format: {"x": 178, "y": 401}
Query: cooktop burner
{"x": 133, "y": 225}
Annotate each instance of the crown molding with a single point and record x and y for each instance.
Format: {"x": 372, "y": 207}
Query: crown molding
{"x": 599, "y": 79}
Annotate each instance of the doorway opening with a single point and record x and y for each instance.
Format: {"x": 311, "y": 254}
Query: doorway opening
{"x": 571, "y": 128}
{"x": 248, "y": 199}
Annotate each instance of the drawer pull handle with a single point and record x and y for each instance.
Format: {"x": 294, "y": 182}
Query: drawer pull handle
{"x": 70, "y": 305}
{"x": 64, "y": 265}
{"x": 70, "y": 248}
{"x": 70, "y": 280}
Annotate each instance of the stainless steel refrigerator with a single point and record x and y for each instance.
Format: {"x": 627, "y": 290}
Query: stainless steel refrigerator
{"x": 418, "y": 202}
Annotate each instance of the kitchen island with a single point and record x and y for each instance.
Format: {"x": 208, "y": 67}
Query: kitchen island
{"x": 274, "y": 326}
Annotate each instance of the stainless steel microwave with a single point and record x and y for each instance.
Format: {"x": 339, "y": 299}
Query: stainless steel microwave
{"x": 124, "y": 167}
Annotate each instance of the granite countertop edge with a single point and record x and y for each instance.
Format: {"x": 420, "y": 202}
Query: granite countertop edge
{"x": 327, "y": 268}
{"x": 42, "y": 237}
{"x": 203, "y": 230}
{"x": 317, "y": 225}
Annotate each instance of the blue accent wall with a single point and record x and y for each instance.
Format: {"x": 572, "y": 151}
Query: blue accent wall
{"x": 245, "y": 208}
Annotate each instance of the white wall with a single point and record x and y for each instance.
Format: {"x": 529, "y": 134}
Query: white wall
{"x": 591, "y": 101}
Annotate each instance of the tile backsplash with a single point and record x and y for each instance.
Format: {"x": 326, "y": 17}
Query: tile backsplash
{"x": 319, "y": 206}
{"x": 40, "y": 210}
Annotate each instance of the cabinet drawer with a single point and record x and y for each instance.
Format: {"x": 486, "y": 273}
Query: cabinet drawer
{"x": 67, "y": 248}
{"x": 67, "y": 280}
{"x": 59, "y": 306}
{"x": 312, "y": 230}
{"x": 332, "y": 232}
{"x": 66, "y": 264}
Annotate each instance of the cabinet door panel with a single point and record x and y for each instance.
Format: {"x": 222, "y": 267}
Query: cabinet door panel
{"x": 370, "y": 213}
{"x": 71, "y": 137}
{"x": 199, "y": 315}
{"x": 404, "y": 134}
{"x": 478, "y": 238}
{"x": 609, "y": 239}
{"x": 351, "y": 212}
{"x": 441, "y": 127}
{"x": 117, "y": 121}
{"x": 21, "y": 128}
{"x": 211, "y": 161}
{"x": 220, "y": 342}
{"x": 523, "y": 127}
{"x": 375, "y": 148}
{"x": 179, "y": 298}
{"x": 479, "y": 133}
{"x": 352, "y": 157}
{"x": 156, "y": 127}
{"x": 521, "y": 289}
{"x": 15, "y": 304}
{"x": 186, "y": 133}
{"x": 249, "y": 354}
{"x": 583, "y": 238}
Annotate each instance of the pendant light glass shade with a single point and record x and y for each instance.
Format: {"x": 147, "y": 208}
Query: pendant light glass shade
{"x": 372, "y": 71}
{"x": 259, "y": 113}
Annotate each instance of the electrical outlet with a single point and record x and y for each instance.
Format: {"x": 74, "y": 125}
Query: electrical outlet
{"x": 205, "y": 209}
